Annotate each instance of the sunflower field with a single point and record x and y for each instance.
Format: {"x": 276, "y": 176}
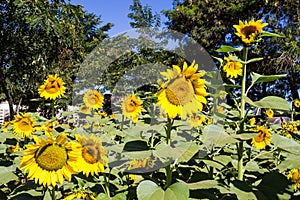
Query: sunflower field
{"x": 182, "y": 141}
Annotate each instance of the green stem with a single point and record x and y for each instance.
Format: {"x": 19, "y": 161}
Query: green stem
{"x": 52, "y": 108}
{"x": 53, "y": 196}
{"x": 240, "y": 145}
{"x": 106, "y": 185}
{"x": 168, "y": 140}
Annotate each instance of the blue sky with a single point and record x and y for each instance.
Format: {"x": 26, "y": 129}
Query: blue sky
{"x": 115, "y": 11}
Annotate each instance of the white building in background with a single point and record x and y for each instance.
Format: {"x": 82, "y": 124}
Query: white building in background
{"x": 4, "y": 112}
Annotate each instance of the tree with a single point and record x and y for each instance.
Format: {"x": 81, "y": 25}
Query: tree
{"x": 210, "y": 24}
{"x": 39, "y": 38}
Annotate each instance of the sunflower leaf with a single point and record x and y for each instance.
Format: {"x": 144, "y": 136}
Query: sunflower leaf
{"x": 257, "y": 78}
{"x": 254, "y": 60}
{"x": 269, "y": 34}
{"x": 225, "y": 49}
{"x": 272, "y": 102}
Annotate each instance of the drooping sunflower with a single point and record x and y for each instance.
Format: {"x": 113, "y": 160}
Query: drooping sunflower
{"x": 294, "y": 178}
{"x": 49, "y": 161}
{"x": 85, "y": 110}
{"x": 93, "y": 99}
{"x": 263, "y": 138}
{"x": 183, "y": 93}
{"x": 250, "y": 30}
{"x": 52, "y": 88}
{"x": 93, "y": 157}
{"x": 23, "y": 125}
{"x": 232, "y": 68}
{"x": 132, "y": 107}
{"x": 270, "y": 113}
{"x": 48, "y": 127}
{"x": 297, "y": 103}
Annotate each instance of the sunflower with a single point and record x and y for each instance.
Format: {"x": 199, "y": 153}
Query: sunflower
{"x": 297, "y": 103}
{"x": 85, "y": 110}
{"x": 183, "y": 93}
{"x": 250, "y": 30}
{"x": 294, "y": 178}
{"x": 93, "y": 157}
{"x": 52, "y": 88}
{"x": 49, "y": 161}
{"x": 77, "y": 194}
{"x": 233, "y": 69}
{"x": 196, "y": 120}
{"x": 132, "y": 107}
{"x": 252, "y": 121}
{"x": 270, "y": 113}
{"x": 262, "y": 139}
{"x": 93, "y": 99}
{"x": 144, "y": 163}
{"x": 23, "y": 125}
{"x": 48, "y": 127}
{"x": 291, "y": 128}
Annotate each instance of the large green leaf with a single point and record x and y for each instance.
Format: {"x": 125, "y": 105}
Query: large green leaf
{"x": 272, "y": 102}
{"x": 286, "y": 144}
{"x": 254, "y": 60}
{"x": 257, "y": 78}
{"x": 6, "y": 174}
{"x": 148, "y": 190}
{"x": 214, "y": 135}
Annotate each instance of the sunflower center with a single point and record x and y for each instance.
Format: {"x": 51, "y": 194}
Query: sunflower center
{"x": 25, "y": 124}
{"x": 260, "y": 137}
{"x": 89, "y": 153}
{"x": 52, "y": 87}
{"x": 131, "y": 106}
{"x": 51, "y": 157}
{"x": 93, "y": 99}
{"x": 248, "y": 31}
{"x": 179, "y": 92}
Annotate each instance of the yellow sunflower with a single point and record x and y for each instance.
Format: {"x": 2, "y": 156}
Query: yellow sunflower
{"x": 52, "y": 88}
{"x": 270, "y": 113}
{"x": 196, "y": 120}
{"x": 48, "y": 127}
{"x": 262, "y": 139}
{"x": 49, "y": 161}
{"x": 132, "y": 107}
{"x": 80, "y": 195}
{"x": 144, "y": 163}
{"x": 93, "y": 157}
{"x": 294, "y": 178}
{"x": 250, "y": 30}
{"x": 233, "y": 69}
{"x": 93, "y": 99}
{"x": 291, "y": 128}
{"x": 183, "y": 93}
{"x": 23, "y": 125}
{"x": 297, "y": 103}
{"x": 252, "y": 121}
{"x": 85, "y": 109}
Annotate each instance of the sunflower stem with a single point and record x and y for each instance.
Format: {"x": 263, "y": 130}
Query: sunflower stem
{"x": 53, "y": 196}
{"x": 106, "y": 185}
{"x": 168, "y": 140}
{"x": 240, "y": 145}
{"x": 52, "y": 108}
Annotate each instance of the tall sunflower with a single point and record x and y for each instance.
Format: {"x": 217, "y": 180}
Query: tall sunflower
{"x": 184, "y": 91}
{"x": 93, "y": 99}
{"x": 23, "y": 125}
{"x": 93, "y": 157}
{"x": 52, "y": 88}
{"x": 250, "y": 30}
{"x": 49, "y": 161}
{"x": 132, "y": 107}
{"x": 262, "y": 139}
{"x": 233, "y": 69}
